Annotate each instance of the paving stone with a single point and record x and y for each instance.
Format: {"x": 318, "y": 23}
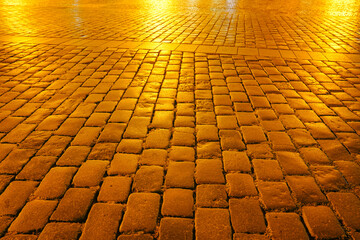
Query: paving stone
{"x": 153, "y": 157}
{"x": 102, "y": 221}
{"x": 209, "y": 171}
{"x": 347, "y": 206}
{"x": 83, "y": 110}
{"x": 183, "y": 137}
{"x": 236, "y": 161}
{"x": 226, "y": 122}
{"x": 90, "y": 173}
{"x": 102, "y": 151}
{"x": 112, "y": 132}
{"x": 178, "y": 153}
{"x": 206, "y": 133}
{"x": 208, "y": 150}
{"x": 61, "y": 231}
{"x": 211, "y": 195}
{"x": 245, "y": 118}
{"x": 43, "y": 209}
{"x": 73, "y": 156}
{"x": 4, "y": 181}
{"x": 292, "y": 163}
{"x": 351, "y": 141}
{"x": 286, "y": 226}
{"x": 336, "y": 124}
{"x": 176, "y": 228}
{"x": 262, "y": 151}
{"x": 15, "y": 161}
{"x": 137, "y": 127}
{"x": 276, "y": 195}
{"x": 4, "y": 224}
{"x": 212, "y": 223}
{"x": 35, "y": 140}
{"x": 180, "y": 175}
{"x": 10, "y": 123}
{"x": 178, "y": 203}
{"x": 87, "y": 136}
{"x": 148, "y": 179}
{"x": 334, "y": 150}
{"x": 246, "y": 216}
{"x": 350, "y": 171}
{"x": 314, "y": 155}
{"x": 54, "y": 146}
{"x": 253, "y": 134}
{"x": 15, "y": 196}
{"x": 281, "y": 141}
{"x": 74, "y": 206}
{"x": 115, "y": 189}
{"x": 301, "y": 137}
{"x": 70, "y": 127}
{"x": 231, "y": 140}
{"x": 130, "y": 146}
{"x": 19, "y": 133}
{"x": 121, "y": 116}
{"x": 240, "y": 185}
{"x": 305, "y": 189}
{"x": 141, "y": 212}
{"x": 55, "y": 183}
{"x": 319, "y": 131}
{"x": 205, "y": 118}
{"x": 267, "y": 170}
{"x": 158, "y": 138}
{"x": 123, "y": 164}
{"x": 52, "y": 122}
{"x": 322, "y": 223}
{"x": 36, "y": 168}
{"x": 328, "y": 178}
{"x": 162, "y": 119}
{"x": 5, "y": 150}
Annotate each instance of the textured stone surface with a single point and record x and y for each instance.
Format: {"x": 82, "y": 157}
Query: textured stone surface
{"x": 251, "y": 106}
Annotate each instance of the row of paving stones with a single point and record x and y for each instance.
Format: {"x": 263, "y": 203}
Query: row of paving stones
{"x": 177, "y": 145}
{"x": 222, "y": 28}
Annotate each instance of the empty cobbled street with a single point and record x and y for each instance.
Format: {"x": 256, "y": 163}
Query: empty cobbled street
{"x": 179, "y": 119}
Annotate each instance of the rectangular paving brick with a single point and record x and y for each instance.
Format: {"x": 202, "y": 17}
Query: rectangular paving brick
{"x": 347, "y": 206}
{"x": 55, "y": 182}
{"x": 15, "y": 196}
{"x": 286, "y": 226}
{"x": 60, "y": 230}
{"x": 322, "y": 223}
{"x": 246, "y": 216}
{"x": 176, "y": 228}
{"x": 102, "y": 222}
{"x": 240, "y": 185}
{"x": 148, "y": 179}
{"x": 141, "y": 212}
{"x": 276, "y": 195}
{"x": 305, "y": 189}
{"x": 74, "y": 206}
{"x": 115, "y": 189}
{"x": 212, "y": 224}
{"x": 15, "y": 161}
{"x": 180, "y": 175}
{"x": 90, "y": 173}
{"x": 36, "y": 168}
{"x": 43, "y": 209}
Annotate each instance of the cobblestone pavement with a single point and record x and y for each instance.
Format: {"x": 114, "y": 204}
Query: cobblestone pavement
{"x": 179, "y": 120}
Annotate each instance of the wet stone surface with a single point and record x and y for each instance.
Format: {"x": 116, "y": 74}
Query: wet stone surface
{"x": 179, "y": 120}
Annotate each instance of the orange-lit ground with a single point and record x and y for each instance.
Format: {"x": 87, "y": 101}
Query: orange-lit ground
{"x": 171, "y": 120}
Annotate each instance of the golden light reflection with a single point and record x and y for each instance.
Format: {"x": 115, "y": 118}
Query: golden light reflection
{"x": 341, "y": 7}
